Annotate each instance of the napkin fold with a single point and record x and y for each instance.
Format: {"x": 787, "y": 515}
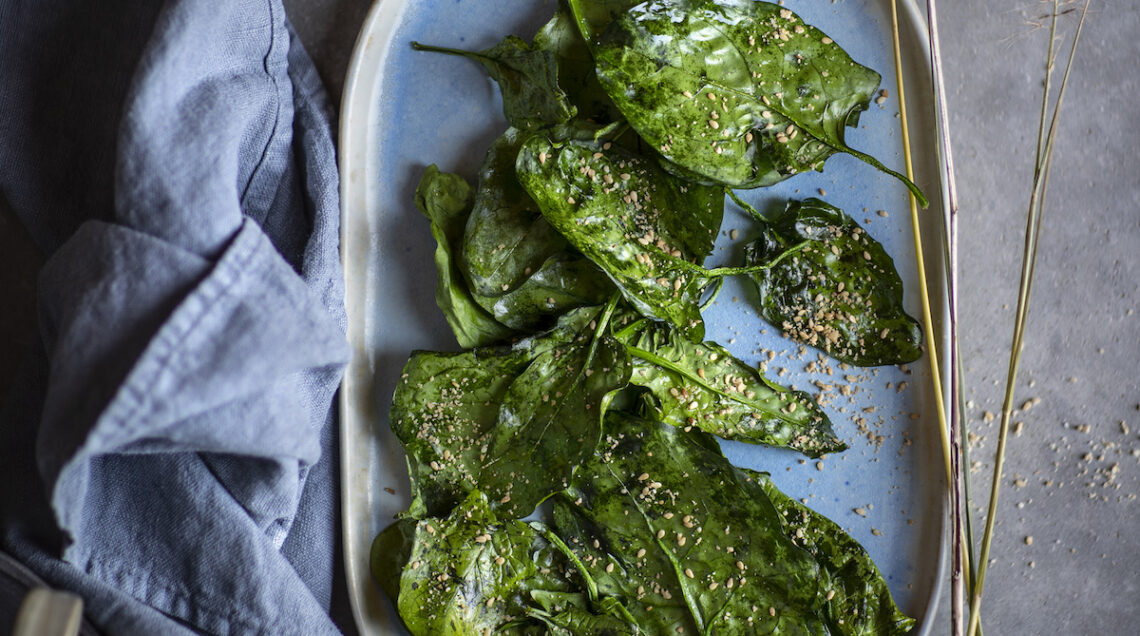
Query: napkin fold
{"x": 169, "y": 452}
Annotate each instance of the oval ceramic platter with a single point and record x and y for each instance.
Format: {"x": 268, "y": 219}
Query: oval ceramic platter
{"x": 404, "y": 110}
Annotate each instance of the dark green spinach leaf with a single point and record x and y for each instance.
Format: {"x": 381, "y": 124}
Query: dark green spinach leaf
{"x": 443, "y": 411}
{"x": 550, "y": 420}
{"x": 858, "y": 600}
{"x": 391, "y": 550}
{"x": 445, "y": 199}
{"x": 471, "y": 575}
{"x": 646, "y": 230}
{"x": 521, "y": 269}
{"x": 702, "y": 385}
{"x": 736, "y": 92}
{"x": 528, "y": 80}
{"x": 575, "y": 67}
{"x": 839, "y": 291}
{"x": 513, "y": 421}
{"x": 662, "y": 520}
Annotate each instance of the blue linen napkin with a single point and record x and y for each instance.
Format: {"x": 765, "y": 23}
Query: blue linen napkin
{"x": 169, "y": 453}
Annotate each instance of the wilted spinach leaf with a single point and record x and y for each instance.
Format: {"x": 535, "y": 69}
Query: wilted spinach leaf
{"x": 389, "y": 554}
{"x": 702, "y": 385}
{"x": 664, "y": 521}
{"x": 443, "y": 411}
{"x": 840, "y": 292}
{"x": 550, "y": 420}
{"x": 527, "y": 78}
{"x": 593, "y": 16}
{"x": 470, "y": 574}
{"x": 737, "y": 92}
{"x": 858, "y": 600}
{"x": 575, "y": 67}
{"x": 521, "y": 269}
{"x": 646, "y": 230}
{"x": 445, "y": 199}
{"x": 513, "y": 421}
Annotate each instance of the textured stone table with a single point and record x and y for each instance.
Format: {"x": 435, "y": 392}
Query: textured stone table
{"x": 1067, "y": 555}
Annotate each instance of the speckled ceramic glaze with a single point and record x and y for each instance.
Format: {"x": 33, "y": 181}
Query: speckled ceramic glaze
{"x": 404, "y": 110}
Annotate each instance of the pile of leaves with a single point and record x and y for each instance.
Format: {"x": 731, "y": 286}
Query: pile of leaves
{"x": 573, "y": 275}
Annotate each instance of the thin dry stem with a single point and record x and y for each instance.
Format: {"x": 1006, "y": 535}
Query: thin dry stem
{"x": 920, "y": 264}
{"x": 1042, "y": 168}
{"x": 957, "y": 589}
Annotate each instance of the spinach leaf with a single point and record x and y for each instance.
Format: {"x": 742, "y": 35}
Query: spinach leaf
{"x": 839, "y": 291}
{"x": 663, "y": 521}
{"x": 736, "y": 92}
{"x": 550, "y": 420}
{"x": 593, "y": 16}
{"x": 574, "y": 621}
{"x": 445, "y": 199}
{"x": 391, "y": 551}
{"x": 470, "y": 574}
{"x": 521, "y": 269}
{"x": 858, "y": 600}
{"x": 646, "y": 230}
{"x": 443, "y": 411}
{"x": 528, "y": 80}
{"x": 513, "y": 421}
{"x": 575, "y": 67}
{"x": 702, "y": 385}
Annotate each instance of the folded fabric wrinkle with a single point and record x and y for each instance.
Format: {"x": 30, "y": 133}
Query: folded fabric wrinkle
{"x": 177, "y": 426}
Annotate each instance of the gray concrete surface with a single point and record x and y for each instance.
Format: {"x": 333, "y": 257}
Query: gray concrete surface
{"x": 1067, "y": 555}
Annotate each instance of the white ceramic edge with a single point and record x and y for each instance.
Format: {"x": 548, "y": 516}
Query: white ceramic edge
{"x": 357, "y": 407}
{"x": 939, "y": 296}
{"x": 361, "y": 86}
